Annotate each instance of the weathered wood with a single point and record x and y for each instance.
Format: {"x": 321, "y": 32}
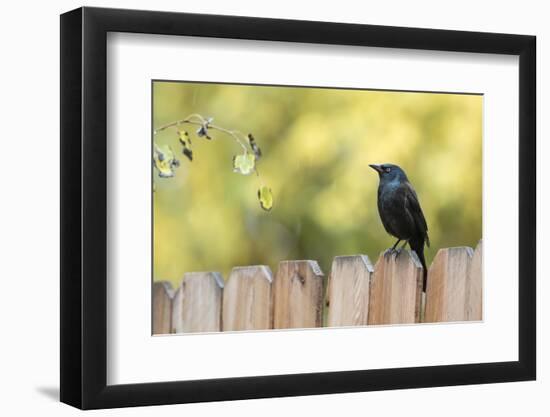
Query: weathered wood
{"x": 396, "y": 289}
{"x": 357, "y": 294}
{"x": 298, "y": 295}
{"x": 198, "y": 303}
{"x": 474, "y": 302}
{"x": 448, "y": 285}
{"x": 247, "y": 299}
{"x": 348, "y": 291}
{"x": 162, "y": 307}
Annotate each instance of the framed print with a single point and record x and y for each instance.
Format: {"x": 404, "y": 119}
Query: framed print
{"x": 257, "y": 207}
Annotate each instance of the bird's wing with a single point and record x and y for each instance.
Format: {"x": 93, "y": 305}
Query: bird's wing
{"x": 413, "y": 207}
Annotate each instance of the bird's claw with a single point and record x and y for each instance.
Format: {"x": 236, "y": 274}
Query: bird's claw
{"x": 393, "y": 251}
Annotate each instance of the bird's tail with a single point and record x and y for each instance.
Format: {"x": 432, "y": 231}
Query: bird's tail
{"x": 418, "y": 247}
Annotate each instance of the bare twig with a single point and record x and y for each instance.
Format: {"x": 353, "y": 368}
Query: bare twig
{"x": 198, "y": 120}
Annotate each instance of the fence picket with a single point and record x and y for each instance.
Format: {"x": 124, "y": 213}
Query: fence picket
{"x": 447, "y": 290}
{"x": 198, "y": 303}
{"x": 396, "y": 289}
{"x": 162, "y": 307}
{"x": 247, "y": 299}
{"x": 474, "y": 301}
{"x": 298, "y": 295}
{"x": 348, "y": 291}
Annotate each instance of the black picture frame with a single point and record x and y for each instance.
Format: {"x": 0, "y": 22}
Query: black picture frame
{"x": 84, "y": 207}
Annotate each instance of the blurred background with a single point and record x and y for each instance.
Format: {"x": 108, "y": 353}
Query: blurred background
{"x": 316, "y": 145}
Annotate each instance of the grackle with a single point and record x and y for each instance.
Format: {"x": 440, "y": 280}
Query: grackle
{"x": 400, "y": 211}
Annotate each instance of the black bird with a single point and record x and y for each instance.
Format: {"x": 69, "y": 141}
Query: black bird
{"x": 400, "y": 211}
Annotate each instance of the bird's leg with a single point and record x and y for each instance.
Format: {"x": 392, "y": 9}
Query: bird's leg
{"x": 396, "y": 243}
{"x": 392, "y": 249}
{"x": 401, "y": 248}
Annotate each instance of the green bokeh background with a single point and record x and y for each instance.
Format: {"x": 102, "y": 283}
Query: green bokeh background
{"x": 316, "y": 144}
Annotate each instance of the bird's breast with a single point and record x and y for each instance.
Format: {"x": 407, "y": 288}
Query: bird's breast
{"x": 389, "y": 192}
{"x": 391, "y": 206}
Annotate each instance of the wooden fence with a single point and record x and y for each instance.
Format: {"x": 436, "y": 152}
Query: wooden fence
{"x": 355, "y": 294}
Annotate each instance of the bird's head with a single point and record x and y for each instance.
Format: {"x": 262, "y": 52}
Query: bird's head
{"x": 389, "y": 172}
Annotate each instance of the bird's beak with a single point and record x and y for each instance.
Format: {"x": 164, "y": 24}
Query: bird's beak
{"x": 377, "y": 168}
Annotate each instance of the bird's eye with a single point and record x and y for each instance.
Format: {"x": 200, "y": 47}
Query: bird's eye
{"x": 387, "y": 169}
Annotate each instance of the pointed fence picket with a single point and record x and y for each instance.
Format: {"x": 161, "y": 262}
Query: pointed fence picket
{"x": 247, "y": 299}
{"x": 162, "y": 307}
{"x": 298, "y": 295}
{"x": 349, "y": 291}
{"x": 474, "y": 295}
{"x": 451, "y": 280}
{"x": 357, "y": 294}
{"x": 396, "y": 289}
{"x": 198, "y": 303}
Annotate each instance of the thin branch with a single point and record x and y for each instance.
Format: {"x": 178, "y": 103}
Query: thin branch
{"x": 188, "y": 120}
{"x": 232, "y": 133}
{"x": 179, "y": 122}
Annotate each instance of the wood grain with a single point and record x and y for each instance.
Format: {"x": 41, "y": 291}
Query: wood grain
{"x": 396, "y": 289}
{"x": 162, "y": 307}
{"x": 247, "y": 299}
{"x": 298, "y": 295}
{"x": 348, "y": 291}
{"x": 198, "y": 303}
{"x": 448, "y": 285}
